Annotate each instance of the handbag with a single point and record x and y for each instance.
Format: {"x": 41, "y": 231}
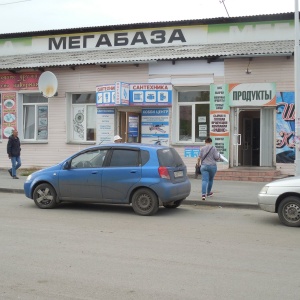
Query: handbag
{"x": 197, "y": 169}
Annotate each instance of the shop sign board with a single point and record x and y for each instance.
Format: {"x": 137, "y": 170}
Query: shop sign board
{"x": 134, "y": 94}
{"x": 19, "y": 81}
{"x": 105, "y": 95}
{"x": 252, "y": 94}
{"x": 150, "y": 94}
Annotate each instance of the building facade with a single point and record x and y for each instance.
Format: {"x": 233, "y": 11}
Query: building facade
{"x": 171, "y": 83}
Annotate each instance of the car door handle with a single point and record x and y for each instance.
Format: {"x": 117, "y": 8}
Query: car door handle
{"x": 95, "y": 172}
{"x": 133, "y": 171}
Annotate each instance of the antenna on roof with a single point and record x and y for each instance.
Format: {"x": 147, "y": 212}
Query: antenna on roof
{"x": 222, "y": 1}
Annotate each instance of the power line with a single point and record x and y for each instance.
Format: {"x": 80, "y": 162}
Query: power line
{"x": 222, "y": 1}
{"x": 14, "y": 2}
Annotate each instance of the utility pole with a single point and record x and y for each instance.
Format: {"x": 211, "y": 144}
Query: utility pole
{"x": 297, "y": 92}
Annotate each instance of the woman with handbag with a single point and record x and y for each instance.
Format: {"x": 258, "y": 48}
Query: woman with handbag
{"x": 208, "y": 158}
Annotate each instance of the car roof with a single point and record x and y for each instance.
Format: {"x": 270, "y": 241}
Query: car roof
{"x": 129, "y": 145}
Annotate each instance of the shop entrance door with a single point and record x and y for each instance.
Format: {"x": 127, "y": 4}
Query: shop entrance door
{"x": 250, "y": 141}
{"x": 253, "y": 137}
{"x": 130, "y": 127}
{"x": 246, "y": 137}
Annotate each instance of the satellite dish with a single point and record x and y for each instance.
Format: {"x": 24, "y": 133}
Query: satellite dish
{"x": 48, "y": 84}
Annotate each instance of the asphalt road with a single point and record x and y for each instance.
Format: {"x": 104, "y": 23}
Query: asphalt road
{"x": 81, "y": 251}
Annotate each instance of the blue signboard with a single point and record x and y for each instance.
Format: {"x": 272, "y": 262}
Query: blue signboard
{"x": 134, "y": 94}
{"x": 150, "y": 94}
{"x": 191, "y": 152}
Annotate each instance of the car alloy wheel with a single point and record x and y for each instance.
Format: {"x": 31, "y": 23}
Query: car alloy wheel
{"x": 44, "y": 196}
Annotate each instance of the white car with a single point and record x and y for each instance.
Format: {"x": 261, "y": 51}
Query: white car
{"x": 283, "y": 197}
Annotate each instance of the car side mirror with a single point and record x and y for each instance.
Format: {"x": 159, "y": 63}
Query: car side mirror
{"x": 66, "y": 165}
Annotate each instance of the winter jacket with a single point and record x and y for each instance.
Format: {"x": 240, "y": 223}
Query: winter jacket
{"x": 13, "y": 146}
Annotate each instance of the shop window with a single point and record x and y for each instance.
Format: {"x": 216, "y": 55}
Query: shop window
{"x": 83, "y": 117}
{"x": 193, "y": 116}
{"x": 34, "y": 117}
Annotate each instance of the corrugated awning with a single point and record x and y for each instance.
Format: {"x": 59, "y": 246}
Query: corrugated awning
{"x": 143, "y": 55}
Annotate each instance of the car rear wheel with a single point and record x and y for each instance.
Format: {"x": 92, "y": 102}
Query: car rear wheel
{"x": 289, "y": 211}
{"x": 173, "y": 204}
{"x": 44, "y": 196}
{"x": 145, "y": 202}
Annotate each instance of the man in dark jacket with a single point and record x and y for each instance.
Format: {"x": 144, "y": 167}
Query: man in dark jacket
{"x": 14, "y": 153}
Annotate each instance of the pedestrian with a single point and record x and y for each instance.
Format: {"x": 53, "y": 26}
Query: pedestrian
{"x": 117, "y": 139}
{"x": 208, "y": 158}
{"x": 14, "y": 153}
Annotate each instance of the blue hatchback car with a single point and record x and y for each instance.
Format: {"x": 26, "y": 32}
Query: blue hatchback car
{"x": 145, "y": 176}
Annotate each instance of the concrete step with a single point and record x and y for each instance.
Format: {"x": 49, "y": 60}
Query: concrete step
{"x": 254, "y": 175}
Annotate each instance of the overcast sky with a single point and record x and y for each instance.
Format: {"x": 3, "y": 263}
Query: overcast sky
{"x": 33, "y": 15}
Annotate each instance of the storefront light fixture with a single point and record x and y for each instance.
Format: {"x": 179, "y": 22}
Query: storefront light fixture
{"x": 248, "y": 71}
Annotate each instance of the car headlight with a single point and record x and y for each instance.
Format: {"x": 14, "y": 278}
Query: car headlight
{"x": 28, "y": 177}
{"x": 264, "y": 190}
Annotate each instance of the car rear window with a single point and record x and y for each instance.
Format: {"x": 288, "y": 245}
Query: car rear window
{"x": 145, "y": 157}
{"x": 169, "y": 158}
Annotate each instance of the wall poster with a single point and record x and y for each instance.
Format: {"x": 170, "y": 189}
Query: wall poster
{"x": 42, "y": 133}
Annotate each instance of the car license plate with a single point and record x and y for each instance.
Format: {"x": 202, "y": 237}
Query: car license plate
{"x": 178, "y": 174}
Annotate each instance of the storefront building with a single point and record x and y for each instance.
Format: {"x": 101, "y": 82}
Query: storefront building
{"x": 170, "y": 83}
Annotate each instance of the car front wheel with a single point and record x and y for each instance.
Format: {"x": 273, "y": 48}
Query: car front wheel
{"x": 44, "y": 196}
{"x": 289, "y": 211}
{"x": 145, "y": 202}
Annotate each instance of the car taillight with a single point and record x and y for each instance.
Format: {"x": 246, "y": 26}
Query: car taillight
{"x": 163, "y": 172}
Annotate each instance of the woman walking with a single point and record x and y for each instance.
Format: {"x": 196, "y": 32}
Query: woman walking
{"x": 208, "y": 158}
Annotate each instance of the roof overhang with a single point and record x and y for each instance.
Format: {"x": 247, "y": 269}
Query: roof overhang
{"x": 210, "y": 52}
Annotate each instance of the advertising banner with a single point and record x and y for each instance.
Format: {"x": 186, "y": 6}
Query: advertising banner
{"x": 9, "y": 114}
{"x": 105, "y": 124}
{"x": 155, "y": 126}
{"x": 219, "y": 118}
{"x": 285, "y": 127}
{"x": 122, "y": 93}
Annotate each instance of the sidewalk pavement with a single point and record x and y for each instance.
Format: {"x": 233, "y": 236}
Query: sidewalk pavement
{"x": 226, "y": 193}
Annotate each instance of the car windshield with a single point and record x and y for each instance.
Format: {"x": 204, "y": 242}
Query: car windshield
{"x": 169, "y": 158}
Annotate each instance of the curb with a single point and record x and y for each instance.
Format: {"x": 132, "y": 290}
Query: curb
{"x": 14, "y": 191}
{"x": 221, "y": 204}
{"x": 185, "y": 202}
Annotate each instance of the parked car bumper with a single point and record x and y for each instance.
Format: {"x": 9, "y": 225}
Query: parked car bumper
{"x": 267, "y": 202}
{"x": 172, "y": 192}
